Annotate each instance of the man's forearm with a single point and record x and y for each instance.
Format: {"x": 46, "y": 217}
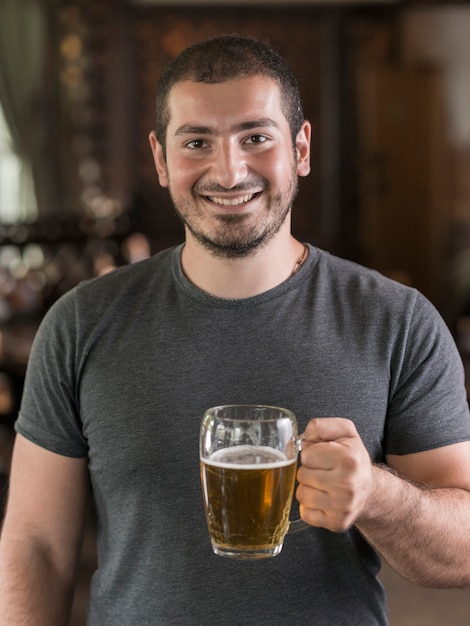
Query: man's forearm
{"x": 423, "y": 533}
{"x": 32, "y": 593}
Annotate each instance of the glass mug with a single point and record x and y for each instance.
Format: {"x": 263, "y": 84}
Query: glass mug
{"x": 248, "y": 463}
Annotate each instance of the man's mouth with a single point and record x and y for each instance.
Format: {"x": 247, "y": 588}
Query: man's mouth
{"x": 231, "y": 201}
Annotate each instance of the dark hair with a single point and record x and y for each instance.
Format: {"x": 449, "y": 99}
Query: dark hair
{"x": 223, "y": 58}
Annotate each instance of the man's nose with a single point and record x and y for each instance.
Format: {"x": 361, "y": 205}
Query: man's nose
{"x": 229, "y": 166}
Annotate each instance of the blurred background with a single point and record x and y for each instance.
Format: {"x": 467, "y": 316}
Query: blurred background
{"x": 385, "y": 84}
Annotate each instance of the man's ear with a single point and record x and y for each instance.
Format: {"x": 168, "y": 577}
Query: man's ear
{"x": 159, "y": 160}
{"x": 302, "y": 144}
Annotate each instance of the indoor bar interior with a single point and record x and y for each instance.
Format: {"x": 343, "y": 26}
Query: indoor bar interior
{"x": 385, "y": 85}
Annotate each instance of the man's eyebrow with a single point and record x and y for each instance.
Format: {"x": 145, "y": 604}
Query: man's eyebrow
{"x": 263, "y": 122}
{"x": 193, "y": 129}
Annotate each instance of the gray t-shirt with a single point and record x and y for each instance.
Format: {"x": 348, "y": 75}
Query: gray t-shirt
{"x": 122, "y": 370}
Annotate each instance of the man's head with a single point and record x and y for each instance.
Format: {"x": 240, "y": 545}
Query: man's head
{"x": 224, "y": 58}
{"x": 230, "y": 144}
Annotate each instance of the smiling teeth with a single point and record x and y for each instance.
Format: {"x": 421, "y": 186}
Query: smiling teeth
{"x": 231, "y": 201}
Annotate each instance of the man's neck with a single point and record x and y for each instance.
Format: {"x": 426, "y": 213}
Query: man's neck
{"x": 243, "y": 277}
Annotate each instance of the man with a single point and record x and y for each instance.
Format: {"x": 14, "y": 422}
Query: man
{"x": 124, "y": 366}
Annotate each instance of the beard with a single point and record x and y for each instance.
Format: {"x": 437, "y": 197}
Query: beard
{"x": 234, "y": 235}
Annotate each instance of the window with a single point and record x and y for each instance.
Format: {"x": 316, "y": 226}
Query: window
{"x": 14, "y": 206}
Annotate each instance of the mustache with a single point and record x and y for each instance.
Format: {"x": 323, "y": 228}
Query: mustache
{"x": 214, "y": 188}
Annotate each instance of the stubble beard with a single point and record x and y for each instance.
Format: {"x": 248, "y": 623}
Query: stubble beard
{"x": 234, "y": 236}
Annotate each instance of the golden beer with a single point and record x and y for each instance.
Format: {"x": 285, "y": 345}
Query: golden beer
{"x": 247, "y": 494}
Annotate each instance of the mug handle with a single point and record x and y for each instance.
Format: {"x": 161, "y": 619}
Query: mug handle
{"x": 296, "y": 526}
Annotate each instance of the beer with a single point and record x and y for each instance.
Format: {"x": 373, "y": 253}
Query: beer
{"x": 247, "y": 496}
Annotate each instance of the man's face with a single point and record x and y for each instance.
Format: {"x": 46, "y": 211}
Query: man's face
{"x": 231, "y": 167}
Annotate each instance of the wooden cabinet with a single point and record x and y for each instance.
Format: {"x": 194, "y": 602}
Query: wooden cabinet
{"x": 403, "y": 176}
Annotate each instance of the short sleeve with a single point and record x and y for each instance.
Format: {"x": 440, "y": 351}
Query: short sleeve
{"x": 49, "y": 412}
{"x": 428, "y": 406}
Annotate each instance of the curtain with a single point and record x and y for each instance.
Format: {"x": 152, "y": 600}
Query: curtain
{"x": 23, "y": 46}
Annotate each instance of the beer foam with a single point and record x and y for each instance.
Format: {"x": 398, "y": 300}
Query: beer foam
{"x": 248, "y": 457}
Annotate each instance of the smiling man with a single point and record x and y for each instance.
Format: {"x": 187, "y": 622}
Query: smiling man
{"x": 124, "y": 366}
{"x": 230, "y": 163}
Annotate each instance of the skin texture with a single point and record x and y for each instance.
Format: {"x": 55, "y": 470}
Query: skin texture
{"x": 415, "y": 510}
{"x": 231, "y": 143}
{"x": 41, "y": 536}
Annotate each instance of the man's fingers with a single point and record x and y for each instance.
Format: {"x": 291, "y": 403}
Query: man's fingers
{"x": 328, "y": 429}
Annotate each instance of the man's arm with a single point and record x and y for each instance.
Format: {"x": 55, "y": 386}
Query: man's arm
{"x": 416, "y": 512}
{"x": 41, "y": 536}
{"x": 432, "y": 546}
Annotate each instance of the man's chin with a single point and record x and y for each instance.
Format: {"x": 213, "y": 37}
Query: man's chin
{"x": 231, "y": 249}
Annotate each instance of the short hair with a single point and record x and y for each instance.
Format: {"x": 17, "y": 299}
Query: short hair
{"x": 223, "y": 58}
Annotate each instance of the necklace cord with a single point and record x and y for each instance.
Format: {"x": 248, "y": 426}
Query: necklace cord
{"x": 301, "y": 260}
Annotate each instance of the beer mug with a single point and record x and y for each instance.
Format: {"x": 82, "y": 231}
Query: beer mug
{"x": 248, "y": 461}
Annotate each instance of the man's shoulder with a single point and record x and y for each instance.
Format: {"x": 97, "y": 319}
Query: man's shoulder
{"x": 360, "y": 279}
{"x": 124, "y": 286}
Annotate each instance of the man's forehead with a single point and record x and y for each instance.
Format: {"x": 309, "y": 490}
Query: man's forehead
{"x": 258, "y": 96}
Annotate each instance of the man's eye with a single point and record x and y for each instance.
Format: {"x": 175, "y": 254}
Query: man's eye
{"x": 194, "y": 144}
{"x": 256, "y": 139}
